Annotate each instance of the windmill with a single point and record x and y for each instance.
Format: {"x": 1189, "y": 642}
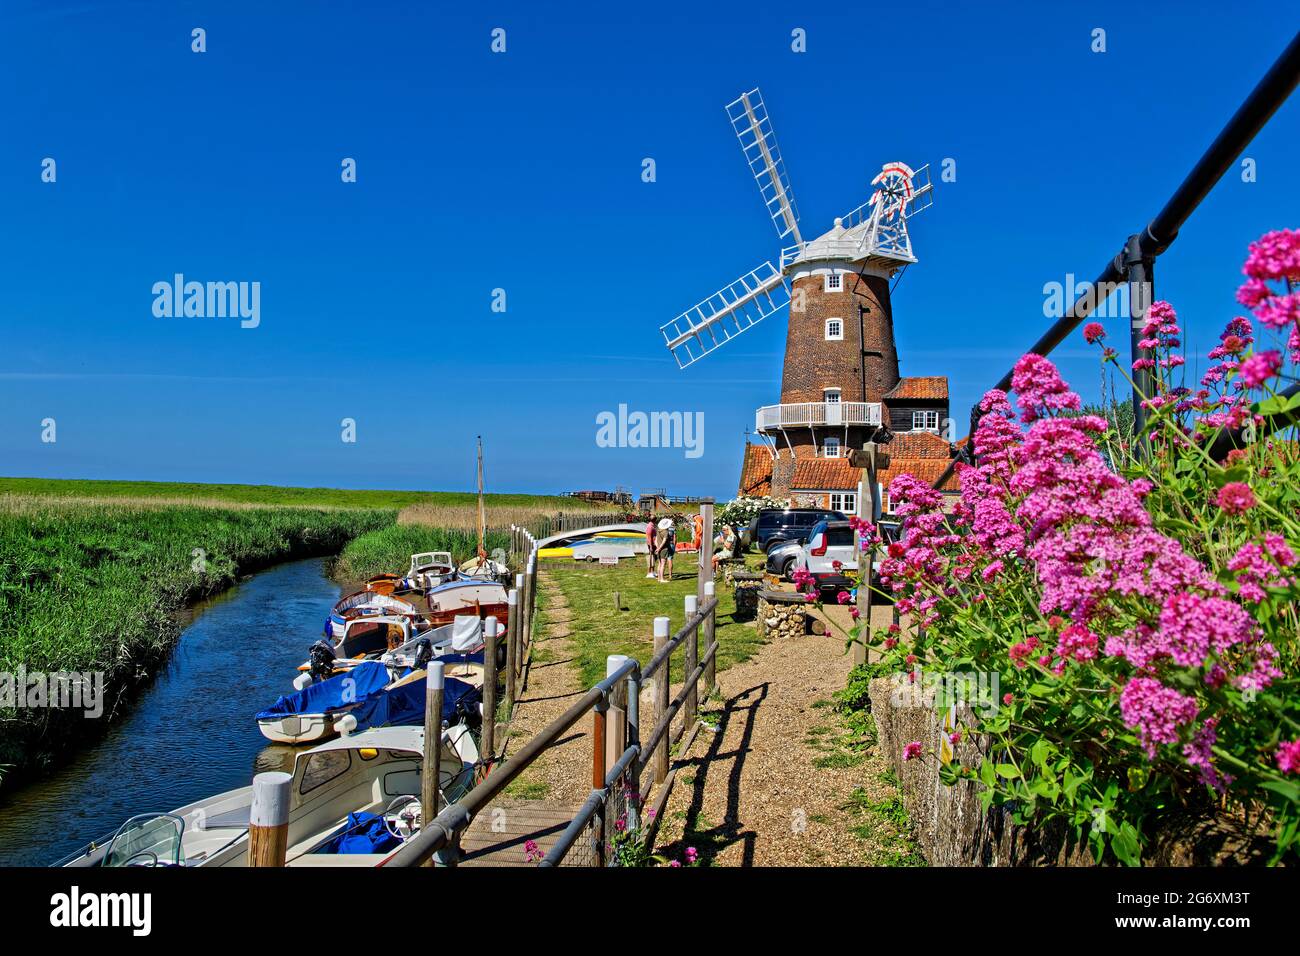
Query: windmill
{"x": 875, "y": 236}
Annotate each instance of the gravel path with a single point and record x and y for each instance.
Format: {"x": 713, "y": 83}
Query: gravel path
{"x": 782, "y": 781}
{"x": 562, "y": 772}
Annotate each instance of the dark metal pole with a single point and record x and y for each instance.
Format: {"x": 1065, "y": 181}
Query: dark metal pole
{"x": 1139, "y": 268}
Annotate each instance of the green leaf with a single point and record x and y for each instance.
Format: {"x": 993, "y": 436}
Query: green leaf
{"x": 1008, "y": 771}
{"x": 1126, "y": 846}
{"x": 1290, "y": 791}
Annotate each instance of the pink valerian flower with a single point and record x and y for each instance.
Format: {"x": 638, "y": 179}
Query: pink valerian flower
{"x": 912, "y": 751}
{"x": 1022, "y": 651}
{"x": 1263, "y": 670}
{"x": 674, "y": 863}
{"x": 1039, "y": 389}
{"x": 691, "y": 855}
{"x": 1199, "y": 754}
{"x": 954, "y": 738}
{"x": 1078, "y": 643}
{"x": 1288, "y": 756}
{"x": 1236, "y": 498}
{"x": 1259, "y": 369}
{"x": 532, "y": 852}
{"x": 1155, "y": 711}
{"x": 1007, "y": 699}
{"x": 1257, "y": 567}
{"x": 1274, "y": 255}
{"x": 1094, "y": 332}
{"x": 1193, "y": 627}
{"x": 844, "y": 597}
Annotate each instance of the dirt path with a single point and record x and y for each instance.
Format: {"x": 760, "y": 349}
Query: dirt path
{"x": 785, "y": 779}
{"x": 563, "y": 772}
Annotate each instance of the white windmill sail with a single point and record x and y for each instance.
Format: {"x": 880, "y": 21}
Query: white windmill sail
{"x": 753, "y": 127}
{"x": 725, "y": 314}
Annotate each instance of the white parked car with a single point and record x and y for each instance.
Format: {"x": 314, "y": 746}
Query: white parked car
{"x": 829, "y": 542}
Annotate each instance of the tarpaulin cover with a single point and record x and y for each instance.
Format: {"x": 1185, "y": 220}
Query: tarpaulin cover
{"x": 363, "y": 833}
{"x": 343, "y": 690}
{"x": 405, "y": 704}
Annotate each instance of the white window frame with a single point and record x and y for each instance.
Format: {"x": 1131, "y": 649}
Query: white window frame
{"x": 839, "y": 279}
{"x": 834, "y": 338}
{"x": 848, "y": 502}
{"x": 826, "y": 447}
{"x": 828, "y": 392}
{"x": 925, "y": 415}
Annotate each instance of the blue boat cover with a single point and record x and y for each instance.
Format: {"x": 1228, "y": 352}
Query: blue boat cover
{"x": 405, "y": 704}
{"x": 363, "y": 833}
{"x": 475, "y": 658}
{"x": 342, "y": 690}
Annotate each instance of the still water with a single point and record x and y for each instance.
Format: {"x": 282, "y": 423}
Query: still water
{"x": 189, "y": 734}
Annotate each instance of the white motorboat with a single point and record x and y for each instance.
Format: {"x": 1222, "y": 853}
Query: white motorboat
{"x": 430, "y": 569}
{"x": 311, "y": 714}
{"x": 354, "y": 802}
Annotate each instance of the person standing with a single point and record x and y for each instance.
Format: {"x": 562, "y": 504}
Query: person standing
{"x": 650, "y": 547}
{"x": 697, "y": 526}
{"x": 671, "y": 548}
{"x": 661, "y": 549}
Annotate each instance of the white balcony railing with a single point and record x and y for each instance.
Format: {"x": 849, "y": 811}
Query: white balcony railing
{"x": 817, "y": 413}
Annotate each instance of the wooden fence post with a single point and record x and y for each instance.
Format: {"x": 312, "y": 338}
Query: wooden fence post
{"x": 710, "y": 675}
{"x": 433, "y": 691}
{"x": 491, "y": 628}
{"x": 663, "y": 680}
{"x": 512, "y": 645}
{"x": 616, "y": 730}
{"x": 690, "y": 705}
{"x": 268, "y": 820}
{"x": 526, "y": 649}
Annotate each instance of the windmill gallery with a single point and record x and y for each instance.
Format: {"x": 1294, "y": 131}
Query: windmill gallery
{"x": 841, "y": 386}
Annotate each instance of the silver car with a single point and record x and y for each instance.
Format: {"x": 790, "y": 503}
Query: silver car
{"x": 781, "y": 559}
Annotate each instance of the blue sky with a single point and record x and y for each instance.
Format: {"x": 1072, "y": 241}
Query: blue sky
{"x": 522, "y": 171}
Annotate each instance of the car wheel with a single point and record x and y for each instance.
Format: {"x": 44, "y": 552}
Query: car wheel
{"x": 788, "y": 568}
{"x": 772, "y": 543}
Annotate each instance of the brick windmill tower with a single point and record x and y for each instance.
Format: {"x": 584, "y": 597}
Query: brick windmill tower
{"x": 840, "y": 385}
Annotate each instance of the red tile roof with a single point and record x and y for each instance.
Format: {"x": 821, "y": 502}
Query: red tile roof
{"x": 756, "y": 471}
{"x": 918, "y": 445}
{"x": 824, "y": 474}
{"x": 925, "y": 387}
{"x": 926, "y": 469}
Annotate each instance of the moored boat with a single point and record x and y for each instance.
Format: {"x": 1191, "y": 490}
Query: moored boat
{"x": 354, "y": 802}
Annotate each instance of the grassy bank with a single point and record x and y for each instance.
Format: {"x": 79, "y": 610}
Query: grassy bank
{"x": 390, "y": 548}
{"x": 96, "y": 587}
{"x": 599, "y": 629}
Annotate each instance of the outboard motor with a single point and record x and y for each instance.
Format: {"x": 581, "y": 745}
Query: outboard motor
{"x": 423, "y": 654}
{"x": 321, "y": 658}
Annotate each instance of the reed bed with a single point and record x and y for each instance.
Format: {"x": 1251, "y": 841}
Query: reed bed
{"x": 499, "y": 515}
{"x": 95, "y": 588}
{"x": 390, "y": 549}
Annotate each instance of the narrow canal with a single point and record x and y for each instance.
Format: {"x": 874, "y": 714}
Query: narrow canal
{"x": 191, "y": 733}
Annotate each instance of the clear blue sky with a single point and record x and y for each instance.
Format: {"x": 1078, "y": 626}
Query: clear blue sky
{"x": 522, "y": 171}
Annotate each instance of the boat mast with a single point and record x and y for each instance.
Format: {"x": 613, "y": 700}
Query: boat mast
{"x": 482, "y": 513}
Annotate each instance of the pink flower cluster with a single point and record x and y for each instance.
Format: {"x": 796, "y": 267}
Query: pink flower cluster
{"x": 1155, "y": 711}
{"x": 1275, "y": 257}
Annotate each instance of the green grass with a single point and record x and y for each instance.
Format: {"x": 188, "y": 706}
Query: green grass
{"x": 390, "y": 548}
{"x": 598, "y": 629}
{"x": 96, "y": 587}
{"x": 270, "y": 494}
